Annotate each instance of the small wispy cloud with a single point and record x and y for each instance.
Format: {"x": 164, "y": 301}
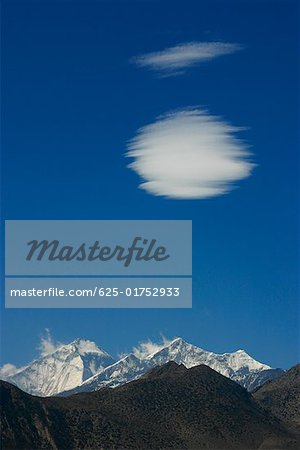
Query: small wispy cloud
{"x": 8, "y": 370}
{"x": 148, "y": 347}
{"x": 189, "y": 154}
{"x": 175, "y": 60}
{"x": 47, "y": 344}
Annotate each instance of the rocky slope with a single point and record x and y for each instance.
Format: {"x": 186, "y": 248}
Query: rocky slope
{"x": 282, "y": 398}
{"x": 170, "y": 407}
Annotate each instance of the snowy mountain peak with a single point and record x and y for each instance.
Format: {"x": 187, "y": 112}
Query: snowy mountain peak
{"x": 232, "y": 365}
{"x": 84, "y": 346}
{"x": 178, "y": 341}
{"x": 63, "y": 369}
{"x": 241, "y": 359}
{"x": 181, "y": 344}
{"x": 238, "y": 366}
{"x": 82, "y": 366}
{"x": 172, "y": 348}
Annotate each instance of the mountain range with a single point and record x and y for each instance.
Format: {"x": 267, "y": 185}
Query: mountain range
{"x": 169, "y": 407}
{"x": 82, "y": 366}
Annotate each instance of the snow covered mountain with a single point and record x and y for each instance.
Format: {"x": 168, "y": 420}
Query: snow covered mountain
{"x": 238, "y": 366}
{"x": 81, "y": 366}
{"x": 126, "y": 369}
{"x": 66, "y": 368}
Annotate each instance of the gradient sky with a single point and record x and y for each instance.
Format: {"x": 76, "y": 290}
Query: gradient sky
{"x": 72, "y": 99}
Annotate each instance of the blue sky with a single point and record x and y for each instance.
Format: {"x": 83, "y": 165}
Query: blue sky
{"x": 72, "y": 100}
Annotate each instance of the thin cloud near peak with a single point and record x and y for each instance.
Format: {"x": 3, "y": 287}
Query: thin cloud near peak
{"x": 47, "y": 344}
{"x": 175, "y": 60}
{"x": 146, "y": 348}
{"x": 189, "y": 154}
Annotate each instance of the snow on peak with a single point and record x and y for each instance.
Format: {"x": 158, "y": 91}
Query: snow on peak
{"x": 147, "y": 348}
{"x": 241, "y": 359}
{"x": 238, "y": 366}
{"x": 190, "y": 355}
{"x": 83, "y": 366}
{"x": 63, "y": 369}
{"x": 84, "y": 346}
{"x": 177, "y": 342}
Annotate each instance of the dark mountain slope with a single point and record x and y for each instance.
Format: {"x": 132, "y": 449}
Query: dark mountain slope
{"x": 169, "y": 407}
{"x": 24, "y": 420}
{"x": 282, "y": 397}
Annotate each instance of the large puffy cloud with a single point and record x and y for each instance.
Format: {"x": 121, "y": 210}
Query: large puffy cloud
{"x": 189, "y": 154}
{"x": 175, "y": 60}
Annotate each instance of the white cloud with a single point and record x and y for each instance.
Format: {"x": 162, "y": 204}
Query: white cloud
{"x": 7, "y": 370}
{"x": 189, "y": 154}
{"x": 148, "y": 347}
{"x": 85, "y": 346}
{"x": 47, "y": 344}
{"x": 174, "y": 60}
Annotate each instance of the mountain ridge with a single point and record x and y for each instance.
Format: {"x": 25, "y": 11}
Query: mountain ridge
{"x": 82, "y": 366}
{"x": 238, "y": 366}
{"x": 281, "y": 397}
{"x": 169, "y": 407}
